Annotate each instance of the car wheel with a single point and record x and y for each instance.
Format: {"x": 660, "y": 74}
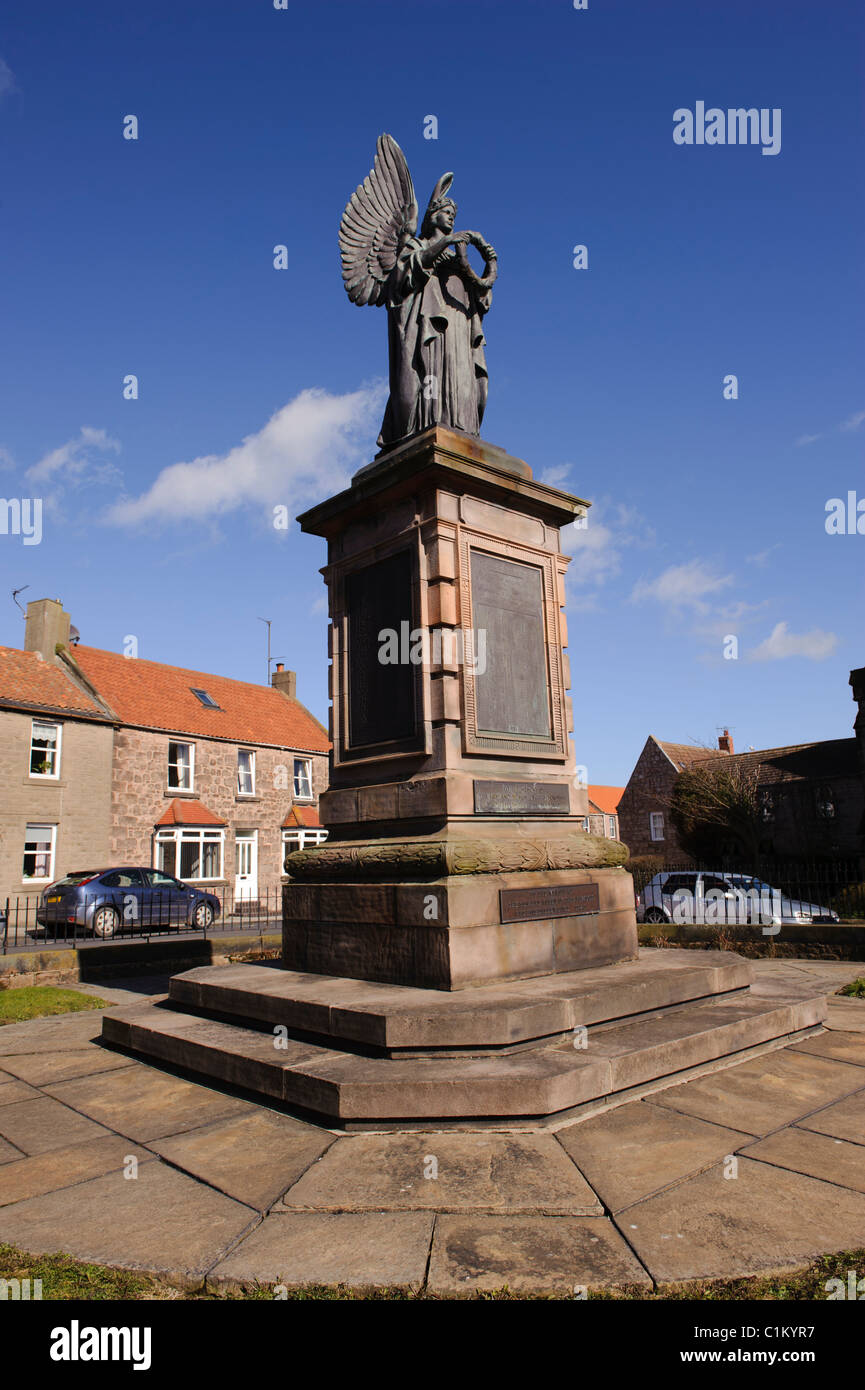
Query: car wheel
{"x": 202, "y": 916}
{"x": 655, "y": 914}
{"x": 105, "y": 922}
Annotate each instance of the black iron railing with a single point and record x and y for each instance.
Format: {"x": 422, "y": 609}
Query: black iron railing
{"x": 838, "y": 885}
{"x": 126, "y": 916}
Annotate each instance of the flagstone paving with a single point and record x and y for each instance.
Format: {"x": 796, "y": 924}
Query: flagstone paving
{"x": 753, "y": 1168}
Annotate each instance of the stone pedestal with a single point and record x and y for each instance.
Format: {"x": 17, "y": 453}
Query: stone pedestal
{"x": 456, "y": 853}
{"x": 459, "y": 951}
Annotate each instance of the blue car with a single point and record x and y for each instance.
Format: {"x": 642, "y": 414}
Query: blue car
{"x": 111, "y": 902}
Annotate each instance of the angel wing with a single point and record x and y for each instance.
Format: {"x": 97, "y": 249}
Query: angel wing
{"x": 379, "y": 215}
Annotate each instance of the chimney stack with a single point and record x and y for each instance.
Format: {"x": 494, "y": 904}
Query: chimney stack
{"x": 46, "y": 627}
{"x": 283, "y": 680}
{"x": 725, "y": 742}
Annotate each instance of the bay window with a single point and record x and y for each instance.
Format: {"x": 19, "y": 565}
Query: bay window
{"x": 189, "y": 853}
{"x": 302, "y": 838}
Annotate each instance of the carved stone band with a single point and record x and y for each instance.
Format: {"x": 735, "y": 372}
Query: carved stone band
{"x": 442, "y": 858}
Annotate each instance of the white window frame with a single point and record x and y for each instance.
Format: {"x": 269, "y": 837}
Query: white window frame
{"x": 656, "y": 822}
{"x": 298, "y": 795}
{"x": 611, "y": 827}
{"x": 51, "y": 724}
{"x": 178, "y": 835}
{"x": 178, "y": 743}
{"x": 302, "y": 837}
{"x": 248, "y": 753}
{"x": 52, "y": 851}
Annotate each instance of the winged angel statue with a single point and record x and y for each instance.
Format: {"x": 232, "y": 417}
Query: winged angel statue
{"x": 435, "y": 300}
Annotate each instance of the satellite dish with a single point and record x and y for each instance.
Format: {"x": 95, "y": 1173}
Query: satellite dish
{"x": 74, "y": 635}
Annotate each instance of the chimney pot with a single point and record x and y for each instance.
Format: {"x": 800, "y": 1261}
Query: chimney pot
{"x": 725, "y": 742}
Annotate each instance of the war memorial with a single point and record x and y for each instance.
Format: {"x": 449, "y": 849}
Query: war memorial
{"x": 459, "y": 950}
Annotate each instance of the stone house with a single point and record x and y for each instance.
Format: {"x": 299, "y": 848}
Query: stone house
{"x": 603, "y": 817}
{"x": 644, "y": 807}
{"x": 205, "y": 777}
{"x": 56, "y": 746}
{"x": 812, "y": 794}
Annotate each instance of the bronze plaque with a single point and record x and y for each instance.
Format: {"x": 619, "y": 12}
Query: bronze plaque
{"x": 536, "y": 904}
{"x": 512, "y": 695}
{"x": 521, "y": 798}
{"x": 381, "y": 701}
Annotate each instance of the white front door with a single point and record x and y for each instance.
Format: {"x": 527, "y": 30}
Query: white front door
{"x": 246, "y": 865}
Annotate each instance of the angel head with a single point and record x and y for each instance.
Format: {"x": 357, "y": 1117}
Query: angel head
{"x": 441, "y": 210}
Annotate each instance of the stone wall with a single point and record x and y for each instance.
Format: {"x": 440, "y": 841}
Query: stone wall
{"x": 797, "y": 830}
{"x": 78, "y": 802}
{"x": 650, "y": 788}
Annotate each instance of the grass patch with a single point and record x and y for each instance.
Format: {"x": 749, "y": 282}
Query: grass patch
{"x": 38, "y": 1001}
{"x": 856, "y": 989}
{"x": 64, "y": 1278}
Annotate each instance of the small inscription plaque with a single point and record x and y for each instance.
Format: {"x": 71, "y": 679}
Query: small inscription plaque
{"x": 536, "y": 904}
{"x": 521, "y": 798}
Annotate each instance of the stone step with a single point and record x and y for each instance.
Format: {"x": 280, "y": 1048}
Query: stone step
{"x": 349, "y": 1088}
{"x": 397, "y": 1017}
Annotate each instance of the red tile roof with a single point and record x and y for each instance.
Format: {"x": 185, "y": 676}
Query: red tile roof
{"x": 183, "y": 811}
{"x": 798, "y": 762}
{"x": 28, "y": 682}
{"x": 150, "y": 695}
{"x": 606, "y": 798}
{"x": 302, "y": 815}
{"x": 683, "y": 754}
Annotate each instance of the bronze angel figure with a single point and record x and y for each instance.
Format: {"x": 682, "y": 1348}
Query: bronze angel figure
{"x": 435, "y": 300}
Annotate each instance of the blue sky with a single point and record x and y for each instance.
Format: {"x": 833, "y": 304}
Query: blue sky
{"x": 155, "y": 257}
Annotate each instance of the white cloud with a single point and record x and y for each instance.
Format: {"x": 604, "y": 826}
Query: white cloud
{"x": 6, "y": 459}
{"x": 7, "y": 79}
{"x": 683, "y": 586}
{"x": 847, "y": 426}
{"x": 79, "y": 462}
{"x": 761, "y": 557}
{"x": 304, "y": 452}
{"x": 815, "y": 645}
{"x": 596, "y": 553}
{"x": 597, "y": 547}
{"x": 554, "y": 477}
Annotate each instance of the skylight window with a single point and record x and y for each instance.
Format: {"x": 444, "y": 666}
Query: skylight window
{"x": 207, "y": 700}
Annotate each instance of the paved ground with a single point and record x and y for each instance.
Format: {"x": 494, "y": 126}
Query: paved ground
{"x": 753, "y": 1168}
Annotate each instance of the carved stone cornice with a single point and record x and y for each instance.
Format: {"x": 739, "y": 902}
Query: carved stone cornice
{"x": 429, "y": 859}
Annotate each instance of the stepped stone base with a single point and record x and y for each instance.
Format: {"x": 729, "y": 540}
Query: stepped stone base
{"x": 359, "y": 1053}
{"x": 460, "y": 930}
